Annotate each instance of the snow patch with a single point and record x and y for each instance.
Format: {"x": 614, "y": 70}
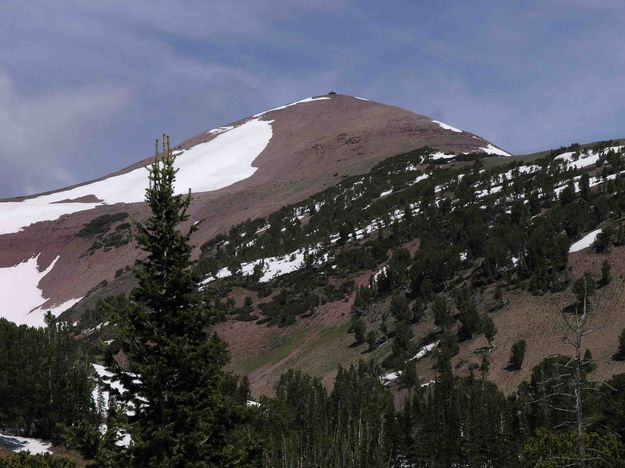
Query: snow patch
{"x": 386, "y": 193}
{"x": 218, "y": 130}
{"x": 310, "y": 99}
{"x": 272, "y": 267}
{"x": 446, "y": 126}
{"x": 441, "y": 155}
{"x": 57, "y": 310}
{"x": 423, "y": 351}
{"x": 490, "y": 149}
{"x": 19, "y": 289}
{"x": 212, "y": 165}
{"x": 390, "y": 377}
{"x": 585, "y": 158}
{"x": 24, "y": 444}
{"x": 585, "y": 241}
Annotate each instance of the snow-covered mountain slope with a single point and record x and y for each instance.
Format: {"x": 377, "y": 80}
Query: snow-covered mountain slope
{"x": 242, "y": 170}
{"x": 215, "y": 164}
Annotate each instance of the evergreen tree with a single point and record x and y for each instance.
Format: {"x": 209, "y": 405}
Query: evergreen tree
{"x": 372, "y": 340}
{"x": 484, "y": 366}
{"x": 399, "y": 307}
{"x": 517, "y": 355}
{"x": 584, "y": 287}
{"x": 470, "y": 322}
{"x": 621, "y": 345}
{"x": 417, "y": 310}
{"x": 489, "y": 329}
{"x": 604, "y": 239}
{"x": 620, "y": 235}
{"x": 448, "y": 345}
{"x": 409, "y": 376}
{"x": 181, "y": 416}
{"x": 442, "y": 317}
{"x": 606, "y": 275}
{"x": 359, "y": 331}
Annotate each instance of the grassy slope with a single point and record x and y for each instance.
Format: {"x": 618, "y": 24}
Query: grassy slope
{"x": 318, "y": 346}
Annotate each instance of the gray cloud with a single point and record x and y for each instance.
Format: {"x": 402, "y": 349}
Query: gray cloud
{"x": 86, "y": 86}
{"x": 44, "y": 135}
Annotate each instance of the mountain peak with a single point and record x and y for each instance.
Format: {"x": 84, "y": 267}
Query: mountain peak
{"x": 245, "y": 169}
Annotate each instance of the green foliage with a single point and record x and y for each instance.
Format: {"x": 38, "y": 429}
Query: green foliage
{"x": 360, "y": 331}
{"x": 45, "y": 379}
{"x": 354, "y": 426}
{"x": 584, "y": 288}
{"x": 100, "y": 225}
{"x": 552, "y": 449}
{"x": 399, "y": 308}
{"x": 25, "y": 460}
{"x": 489, "y": 329}
{"x": 462, "y": 422}
{"x": 442, "y": 316}
{"x": 409, "y": 376}
{"x": 620, "y": 235}
{"x": 448, "y": 345}
{"x": 484, "y": 365}
{"x": 517, "y": 355}
{"x": 175, "y": 384}
{"x": 470, "y": 321}
{"x": 372, "y": 340}
{"x": 621, "y": 345}
{"x": 604, "y": 239}
{"x": 99, "y": 229}
{"x": 606, "y": 273}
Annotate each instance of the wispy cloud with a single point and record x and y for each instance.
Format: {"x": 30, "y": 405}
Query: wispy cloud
{"x": 43, "y": 135}
{"x": 85, "y": 86}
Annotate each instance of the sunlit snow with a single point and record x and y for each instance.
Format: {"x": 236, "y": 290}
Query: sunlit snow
{"x": 446, "y": 126}
{"x": 24, "y": 444}
{"x": 584, "y": 158}
{"x": 21, "y": 296}
{"x": 490, "y": 149}
{"x": 423, "y": 351}
{"x": 272, "y": 267}
{"x": 218, "y": 163}
{"x": 310, "y": 99}
{"x": 441, "y": 155}
{"x": 58, "y": 309}
{"x": 585, "y": 241}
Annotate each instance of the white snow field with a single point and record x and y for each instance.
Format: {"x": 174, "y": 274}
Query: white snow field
{"x": 21, "y": 296}
{"x": 57, "y": 309}
{"x": 446, "y": 126}
{"x": 272, "y": 266}
{"x": 490, "y": 149}
{"x": 441, "y": 155}
{"x": 24, "y": 444}
{"x": 585, "y": 241}
{"x": 585, "y": 158}
{"x": 218, "y": 163}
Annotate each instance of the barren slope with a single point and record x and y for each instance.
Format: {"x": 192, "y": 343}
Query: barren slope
{"x": 247, "y": 169}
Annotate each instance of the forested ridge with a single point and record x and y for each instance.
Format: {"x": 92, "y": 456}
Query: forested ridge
{"x": 481, "y": 227}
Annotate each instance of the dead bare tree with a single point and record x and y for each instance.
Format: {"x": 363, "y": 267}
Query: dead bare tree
{"x": 570, "y": 383}
{"x": 577, "y": 325}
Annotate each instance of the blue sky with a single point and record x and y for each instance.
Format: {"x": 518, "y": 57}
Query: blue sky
{"x": 85, "y": 86}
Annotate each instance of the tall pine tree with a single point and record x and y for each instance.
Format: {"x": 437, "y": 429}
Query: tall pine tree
{"x": 175, "y": 383}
